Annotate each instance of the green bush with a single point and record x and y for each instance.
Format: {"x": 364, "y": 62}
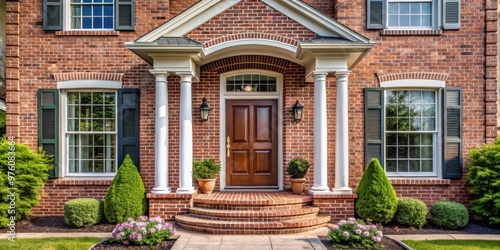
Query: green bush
{"x": 205, "y": 169}
{"x": 31, "y": 171}
{"x": 483, "y": 177}
{"x": 411, "y": 212}
{"x": 449, "y": 214}
{"x": 126, "y": 196}
{"x": 3, "y": 122}
{"x": 377, "y": 199}
{"x": 83, "y": 212}
{"x": 297, "y": 168}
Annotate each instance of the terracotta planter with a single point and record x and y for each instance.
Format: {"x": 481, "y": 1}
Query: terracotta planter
{"x": 298, "y": 185}
{"x": 207, "y": 185}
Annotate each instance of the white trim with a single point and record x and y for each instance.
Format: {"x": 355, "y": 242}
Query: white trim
{"x": 250, "y": 96}
{"x": 413, "y": 83}
{"x": 66, "y": 15}
{"x": 3, "y": 106}
{"x": 89, "y": 84}
{"x": 203, "y": 11}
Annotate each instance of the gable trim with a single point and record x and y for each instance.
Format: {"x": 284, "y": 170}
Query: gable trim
{"x": 298, "y": 11}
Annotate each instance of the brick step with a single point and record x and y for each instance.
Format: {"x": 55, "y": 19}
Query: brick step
{"x": 252, "y": 199}
{"x": 257, "y": 225}
{"x": 256, "y": 219}
{"x": 235, "y": 214}
{"x": 246, "y": 208}
{"x": 248, "y": 231}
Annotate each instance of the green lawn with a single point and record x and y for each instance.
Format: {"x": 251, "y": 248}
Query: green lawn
{"x": 453, "y": 244}
{"x": 83, "y": 243}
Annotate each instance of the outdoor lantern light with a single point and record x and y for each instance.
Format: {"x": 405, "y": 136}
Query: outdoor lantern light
{"x": 204, "y": 110}
{"x": 297, "y": 111}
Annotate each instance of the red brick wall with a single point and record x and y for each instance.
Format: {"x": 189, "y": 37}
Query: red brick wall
{"x": 35, "y": 55}
{"x": 339, "y": 207}
{"x": 169, "y": 205}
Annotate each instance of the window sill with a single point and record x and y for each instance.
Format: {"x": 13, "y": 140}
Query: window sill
{"x": 87, "y": 33}
{"x": 420, "y": 182}
{"x": 411, "y": 32}
{"x": 81, "y": 182}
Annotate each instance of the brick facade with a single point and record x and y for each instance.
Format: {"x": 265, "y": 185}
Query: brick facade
{"x": 466, "y": 58}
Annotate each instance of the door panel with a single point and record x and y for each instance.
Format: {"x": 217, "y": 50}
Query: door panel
{"x": 251, "y": 126}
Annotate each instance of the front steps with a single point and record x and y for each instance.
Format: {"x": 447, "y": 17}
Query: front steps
{"x": 252, "y": 213}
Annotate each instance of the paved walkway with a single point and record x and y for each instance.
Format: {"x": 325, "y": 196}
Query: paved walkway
{"x": 192, "y": 241}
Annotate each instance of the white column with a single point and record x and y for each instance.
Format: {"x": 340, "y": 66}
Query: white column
{"x": 161, "y": 135}
{"x": 186, "y": 137}
{"x": 320, "y": 134}
{"x": 342, "y": 136}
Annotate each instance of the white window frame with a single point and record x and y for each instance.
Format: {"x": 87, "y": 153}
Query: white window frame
{"x": 67, "y": 17}
{"x": 435, "y": 15}
{"x": 419, "y": 85}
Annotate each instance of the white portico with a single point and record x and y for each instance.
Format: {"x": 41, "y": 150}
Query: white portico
{"x": 333, "y": 53}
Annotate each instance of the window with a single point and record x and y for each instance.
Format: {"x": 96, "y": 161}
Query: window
{"x": 410, "y": 131}
{"x": 413, "y": 14}
{"x": 97, "y": 128}
{"x": 91, "y": 132}
{"x": 88, "y": 15}
{"x": 414, "y": 132}
{"x": 410, "y": 14}
{"x": 92, "y": 14}
{"x": 251, "y": 83}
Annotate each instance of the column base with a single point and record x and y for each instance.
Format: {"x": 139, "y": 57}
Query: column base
{"x": 158, "y": 190}
{"x": 186, "y": 190}
{"x": 342, "y": 190}
{"x": 320, "y": 192}
{"x": 319, "y": 189}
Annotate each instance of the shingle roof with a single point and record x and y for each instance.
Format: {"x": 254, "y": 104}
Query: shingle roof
{"x": 178, "y": 41}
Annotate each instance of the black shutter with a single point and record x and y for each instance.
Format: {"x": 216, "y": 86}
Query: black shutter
{"x": 128, "y": 125}
{"x": 52, "y": 14}
{"x": 451, "y": 14}
{"x": 375, "y": 14}
{"x": 452, "y": 133}
{"x": 374, "y": 130}
{"x": 48, "y": 121}
{"x": 124, "y": 15}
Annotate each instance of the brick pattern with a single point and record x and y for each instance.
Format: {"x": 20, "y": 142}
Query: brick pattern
{"x": 168, "y": 206}
{"x": 248, "y": 62}
{"x": 412, "y": 75}
{"x": 339, "y": 207}
{"x": 491, "y": 57}
{"x": 239, "y": 36}
{"x": 252, "y": 213}
{"x": 13, "y": 68}
{"x": 60, "y": 77}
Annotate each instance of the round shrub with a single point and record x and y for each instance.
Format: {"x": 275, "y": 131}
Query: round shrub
{"x": 126, "y": 196}
{"x": 83, "y": 212}
{"x": 376, "y": 197}
{"x": 449, "y": 214}
{"x": 411, "y": 212}
{"x": 19, "y": 193}
{"x": 482, "y": 177}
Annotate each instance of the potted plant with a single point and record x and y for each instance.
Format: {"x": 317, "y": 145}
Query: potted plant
{"x": 204, "y": 172}
{"x": 297, "y": 169}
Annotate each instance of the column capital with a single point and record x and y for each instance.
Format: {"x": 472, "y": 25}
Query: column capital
{"x": 159, "y": 73}
{"x": 320, "y": 73}
{"x": 189, "y": 74}
{"x": 342, "y": 73}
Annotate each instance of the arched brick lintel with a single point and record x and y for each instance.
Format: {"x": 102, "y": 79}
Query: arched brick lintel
{"x": 412, "y": 75}
{"x": 243, "y": 36}
{"x": 61, "y": 77}
{"x": 248, "y": 62}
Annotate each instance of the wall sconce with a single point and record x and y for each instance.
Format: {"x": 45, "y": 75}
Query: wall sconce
{"x": 204, "y": 110}
{"x": 297, "y": 111}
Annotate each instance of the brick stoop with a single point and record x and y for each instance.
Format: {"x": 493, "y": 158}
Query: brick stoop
{"x": 252, "y": 213}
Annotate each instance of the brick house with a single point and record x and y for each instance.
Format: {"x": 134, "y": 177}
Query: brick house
{"x": 412, "y": 83}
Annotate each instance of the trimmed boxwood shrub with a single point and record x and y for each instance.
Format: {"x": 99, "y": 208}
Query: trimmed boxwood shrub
{"x": 31, "y": 171}
{"x": 449, "y": 214}
{"x": 82, "y": 212}
{"x": 376, "y": 197}
{"x": 483, "y": 177}
{"x": 411, "y": 212}
{"x": 126, "y": 196}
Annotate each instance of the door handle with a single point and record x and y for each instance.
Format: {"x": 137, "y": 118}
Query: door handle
{"x": 228, "y": 146}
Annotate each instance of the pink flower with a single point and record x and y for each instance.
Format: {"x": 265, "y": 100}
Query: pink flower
{"x": 139, "y": 237}
{"x": 132, "y": 235}
{"x": 358, "y": 231}
{"x": 341, "y": 222}
{"x": 379, "y": 233}
{"x": 366, "y": 233}
{"x": 125, "y": 242}
{"x": 376, "y": 239}
{"x": 361, "y": 227}
{"x": 152, "y": 230}
{"x": 173, "y": 231}
{"x": 118, "y": 237}
{"x": 335, "y": 227}
{"x": 345, "y": 234}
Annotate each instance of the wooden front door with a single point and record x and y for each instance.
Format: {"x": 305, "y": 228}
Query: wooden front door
{"x": 251, "y": 143}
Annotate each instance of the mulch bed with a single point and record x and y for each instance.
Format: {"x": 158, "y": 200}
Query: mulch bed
{"x": 164, "y": 245}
